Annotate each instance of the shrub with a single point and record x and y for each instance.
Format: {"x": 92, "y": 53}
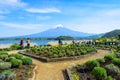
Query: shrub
{"x": 1, "y": 60}
{"x": 72, "y": 53}
{"x": 116, "y": 61}
{"x": 3, "y": 56}
{"x": 17, "y": 56}
{"x": 27, "y": 61}
{"x": 5, "y": 65}
{"x": 33, "y": 49}
{"x": 16, "y": 62}
{"x": 118, "y": 55}
{"x": 112, "y": 69}
{"x": 101, "y": 60}
{"x": 15, "y": 46}
{"x": 3, "y": 53}
{"x": 92, "y": 63}
{"x": 83, "y": 52}
{"x": 110, "y": 78}
{"x": 100, "y": 73}
{"x": 75, "y": 76}
{"x": 110, "y": 56}
{"x": 7, "y": 75}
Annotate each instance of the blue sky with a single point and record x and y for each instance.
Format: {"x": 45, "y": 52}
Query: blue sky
{"x": 22, "y": 17}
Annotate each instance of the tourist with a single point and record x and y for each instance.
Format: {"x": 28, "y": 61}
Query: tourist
{"x": 21, "y": 43}
{"x": 28, "y": 42}
{"x": 60, "y": 42}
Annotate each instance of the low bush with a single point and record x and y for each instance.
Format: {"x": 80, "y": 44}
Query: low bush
{"x": 1, "y": 60}
{"x": 3, "y": 56}
{"x": 7, "y": 75}
{"x": 118, "y": 55}
{"x": 16, "y": 63}
{"x": 5, "y": 65}
{"x": 83, "y": 52}
{"x": 3, "y": 53}
{"x": 112, "y": 69}
{"x": 17, "y": 56}
{"x": 110, "y": 78}
{"x": 75, "y": 76}
{"x": 33, "y": 49}
{"x": 15, "y": 46}
{"x": 92, "y": 63}
{"x": 100, "y": 73}
{"x": 116, "y": 61}
{"x": 110, "y": 56}
{"x": 101, "y": 60}
{"x": 26, "y": 61}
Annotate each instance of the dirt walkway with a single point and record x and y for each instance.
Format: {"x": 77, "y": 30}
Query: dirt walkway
{"x": 53, "y": 70}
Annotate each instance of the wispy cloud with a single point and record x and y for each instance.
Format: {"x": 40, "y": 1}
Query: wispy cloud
{"x": 44, "y": 10}
{"x": 19, "y": 25}
{"x": 43, "y": 17}
{"x": 12, "y": 3}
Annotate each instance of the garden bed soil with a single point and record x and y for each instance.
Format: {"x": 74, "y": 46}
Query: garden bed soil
{"x": 24, "y": 72}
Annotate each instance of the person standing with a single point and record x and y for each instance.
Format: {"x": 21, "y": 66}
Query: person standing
{"x": 28, "y": 42}
{"x": 21, "y": 43}
{"x": 60, "y": 42}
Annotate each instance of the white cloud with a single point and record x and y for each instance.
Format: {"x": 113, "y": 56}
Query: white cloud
{"x": 43, "y": 17}
{"x": 6, "y": 6}
{"x": 44, "y": 10}
{"x": 113, "y": 12}
{"x": 22, "y": 26}
{"x": 12, "y": 3}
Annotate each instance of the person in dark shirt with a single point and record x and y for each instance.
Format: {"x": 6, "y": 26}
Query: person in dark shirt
{"x": 21, "y": 43}
{"x": 60, "y": 42}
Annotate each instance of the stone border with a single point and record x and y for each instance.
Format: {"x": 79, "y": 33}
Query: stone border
{"x": 68, "y": 74}
{"x": 44, "y": 59}
{"x": 34, "y": 73}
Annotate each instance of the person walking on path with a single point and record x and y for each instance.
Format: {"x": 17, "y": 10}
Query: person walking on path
{"x": 28, "y": 42}
{"x": 21, "y": 43}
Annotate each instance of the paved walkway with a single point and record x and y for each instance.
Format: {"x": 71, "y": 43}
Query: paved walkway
{"x": 53, "y": 70}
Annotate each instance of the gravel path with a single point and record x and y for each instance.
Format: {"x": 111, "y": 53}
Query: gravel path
{"x": 53, "y": 70}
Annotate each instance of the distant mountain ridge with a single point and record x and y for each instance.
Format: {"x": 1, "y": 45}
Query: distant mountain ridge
{"x": 59, "y": 31}
{"x": 113, "y": 33}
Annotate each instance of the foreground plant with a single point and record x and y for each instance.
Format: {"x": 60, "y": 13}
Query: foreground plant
{"x": 100, "y": 73}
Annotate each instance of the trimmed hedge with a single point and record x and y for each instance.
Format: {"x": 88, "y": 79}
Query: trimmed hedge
{"x": 101, "y": 60}
{"x": 26, "y": 61}
{"x": 16, "y": 62}
{"x": 3, "y": 56}
{"x": 17, "y": 56}
{"x": 3, "y": 53}
{"x": 116, "y": 61}
{"x": 112, "y": 69}
{"x": 100, "y": 73}
{"x": 110, "y": 56}
{"x": 92, "y": 63}
{"x": 7, "y": 75}
{"x": 5, "y": 65}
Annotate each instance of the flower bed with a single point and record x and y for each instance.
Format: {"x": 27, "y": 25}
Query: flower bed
{"x": 59, "y": 53}
{"x": 15, "y": 67}
{"x": 107, "y": 68}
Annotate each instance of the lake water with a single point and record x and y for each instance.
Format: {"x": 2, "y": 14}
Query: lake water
{"x": 39, "y": 42}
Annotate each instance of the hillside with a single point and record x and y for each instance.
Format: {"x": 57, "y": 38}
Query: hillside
{"x": 113, "y": 33}
{"x": 59, "y": 31}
